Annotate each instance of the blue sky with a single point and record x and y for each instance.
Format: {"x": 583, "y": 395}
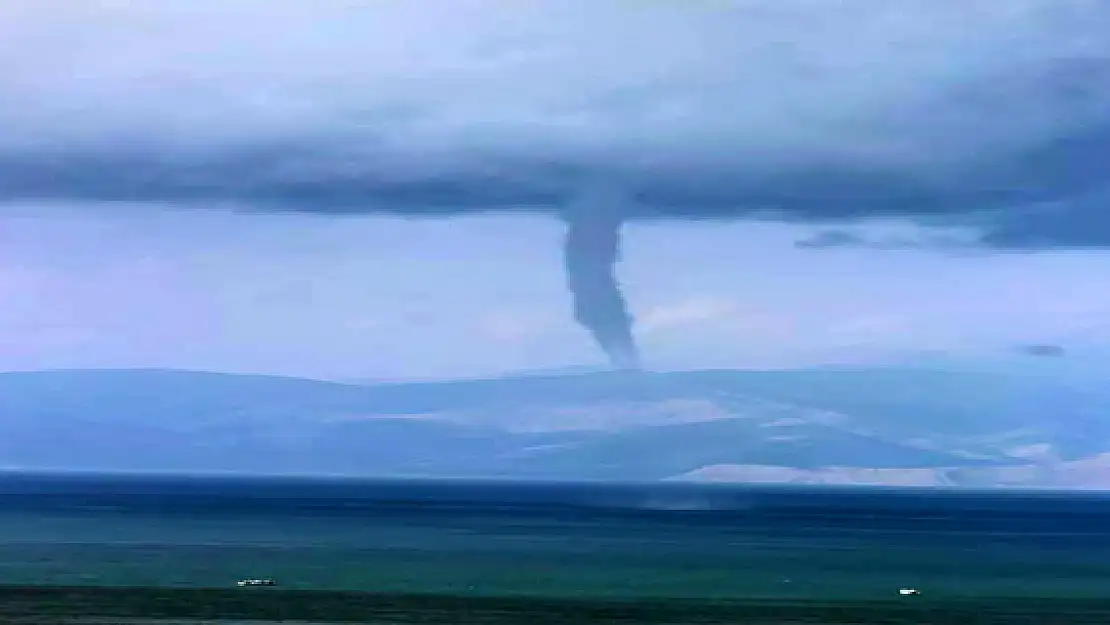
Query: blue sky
{"x": 235, "y": 186}
{"x": 391, "y": 298}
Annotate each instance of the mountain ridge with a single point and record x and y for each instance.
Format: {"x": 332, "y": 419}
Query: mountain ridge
{"x": 830, "y": 424}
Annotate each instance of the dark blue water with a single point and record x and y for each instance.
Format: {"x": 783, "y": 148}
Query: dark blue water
{"x": 551, "y": 539}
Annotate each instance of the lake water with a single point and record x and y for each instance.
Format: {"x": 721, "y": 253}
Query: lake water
{"x": 579, "y": 540}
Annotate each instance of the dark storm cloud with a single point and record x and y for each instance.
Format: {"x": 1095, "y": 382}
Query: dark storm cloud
{"x": 792, "y": 110}
{"x": 833, "y": 238}
{"x": 1081, "y": 222}
{"x": 1050, "y": 195}
{"x": 1043, "y": 351}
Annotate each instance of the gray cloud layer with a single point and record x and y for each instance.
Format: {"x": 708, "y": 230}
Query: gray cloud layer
{"x": 1044, "y": 351}
{"x": 986, "y": 113}
{"x": 793, "y": 109}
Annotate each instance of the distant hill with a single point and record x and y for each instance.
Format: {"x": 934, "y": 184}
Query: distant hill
{"x": 843, "y": 425}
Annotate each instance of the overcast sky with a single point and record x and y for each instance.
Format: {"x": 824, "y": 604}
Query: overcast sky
{"x": 261, "y": 186}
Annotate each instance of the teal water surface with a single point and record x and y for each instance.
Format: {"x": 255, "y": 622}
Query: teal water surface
{"x": 550, "y": 539}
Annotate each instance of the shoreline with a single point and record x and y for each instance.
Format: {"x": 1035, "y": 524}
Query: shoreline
{"x": 91, "y": 604}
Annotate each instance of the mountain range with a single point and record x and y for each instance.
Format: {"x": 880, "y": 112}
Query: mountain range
{"x": 880, "y": 425}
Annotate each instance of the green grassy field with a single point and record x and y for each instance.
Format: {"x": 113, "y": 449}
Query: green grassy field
{"x": 43, "y": 604}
